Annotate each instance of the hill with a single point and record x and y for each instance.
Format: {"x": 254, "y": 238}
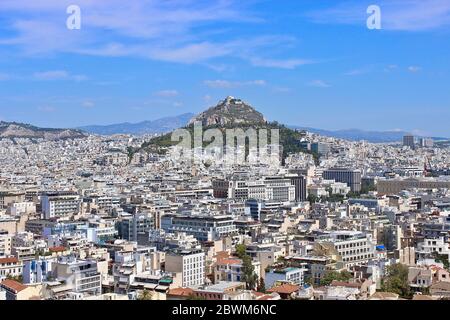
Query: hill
{"x": 21, "y": 130}
{"x": 230, "y": 111}
{"x": 228, "y": 114}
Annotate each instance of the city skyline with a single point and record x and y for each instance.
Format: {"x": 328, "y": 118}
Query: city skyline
{"x": 312, "y": 64}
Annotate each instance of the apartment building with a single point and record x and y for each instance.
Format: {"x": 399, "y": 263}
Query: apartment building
{"x": 353, "y": 247}
{"x": 288, "y": 275}
{"x": 10, "y": 266}
{"x": 80, "y": 276}
{"x": 191, "y": 265}
{"x": 203, "y": 227}
{"x": 60, "y": 204}
{"x": 5, "y": 244}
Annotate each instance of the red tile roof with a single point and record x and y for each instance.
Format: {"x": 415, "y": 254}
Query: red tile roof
{"x": 336, "y": 283}
{"x": 57, "y": 249}
{"x": 185, "y": 292}
{"x": 285, "y": 288}
{"x": 13, "y": 285}
{"x": 229, "y": 261}
{"x": 9, "y": 260}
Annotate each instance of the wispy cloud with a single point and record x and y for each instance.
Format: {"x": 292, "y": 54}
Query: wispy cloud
{"x": 319, "y": 84}
{"x": 233, "y": 84}
{"x": 400, "y": 15}
{"x": 58, "y": 75}
{"x": 414, "y": 69}
{"x": 88, "y": 104}
{"x": 171, "y": 31}
{"x": 282, "y": 63}
{"x": 358, "y": 72}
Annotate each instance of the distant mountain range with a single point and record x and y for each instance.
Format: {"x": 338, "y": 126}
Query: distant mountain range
{"x": 230, "y": 111}
{"x": 21, "y": 130}
{"x": 162, "y": 125}
{"x": 235, "y": 111}
{"x": 357, "y": 134}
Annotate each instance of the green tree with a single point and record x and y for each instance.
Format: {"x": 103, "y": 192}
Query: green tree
{"x": 330, "y": 276}
{"x": 440, "y": 258}
{"x": 18, "y": 278}
{"x": 261, "y": 285}
{"x": 396, "y": 280}
{"x": 145, "y": 295}
{"x": 248, "y": 273}
{"x": 240, "y": 250}
{"x": 312, "y": 199}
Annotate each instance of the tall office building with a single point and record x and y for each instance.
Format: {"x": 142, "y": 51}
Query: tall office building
{"x": 279, "y": 189}
{"x": 351, "y": 177}
{"x": 409, "y": 141}
{"x": 299, "y": 182}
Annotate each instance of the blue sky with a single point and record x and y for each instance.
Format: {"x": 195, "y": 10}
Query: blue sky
{"x": 304, "y": 62}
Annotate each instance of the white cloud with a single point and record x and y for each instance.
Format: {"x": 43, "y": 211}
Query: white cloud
{"x": 391, "y": 67}
{"x": 88, "y": 104}
{"x": 283, "y": 64}
{"x": 233, "y": 84}
{"x": 358, "y": 72}
{"x": 58, "y": 75}
{"x": 319, "y": 84}
{"x": 51, "y": 75}
{"x": 171, "y": 31}
{"x": 414, "y": 69}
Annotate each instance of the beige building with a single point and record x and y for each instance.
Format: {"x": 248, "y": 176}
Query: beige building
{"x": 16, "y": 291}
{"x": 394, "y": 186}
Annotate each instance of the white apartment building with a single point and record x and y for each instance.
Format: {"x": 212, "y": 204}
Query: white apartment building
{"x": 353, "y": 247}
{"x": 428, "y": 246}
{"x": 79, "y": 275}
{"x": 20, "y": 208}
{"x": 60, "y": 204}
{"x": 191, "y": 265}
{"x": 10, "y": 266}
{"x": 203, "y": 227}
{"x": 5, "y": 245}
